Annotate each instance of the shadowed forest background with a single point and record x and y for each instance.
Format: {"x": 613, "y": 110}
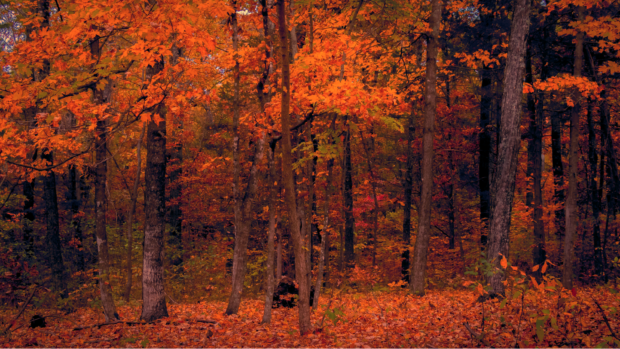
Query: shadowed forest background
{"x": 217, "y": 162}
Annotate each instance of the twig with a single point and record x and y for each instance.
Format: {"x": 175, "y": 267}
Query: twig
{"x": 111, "y": 323}
{"x": 204, "y": 321}
{"x": 478, "y": 337}
{"x": 520, "y": 316}
{"x": 331, "y": 298}
{"x": 606, "y": 320}
{"x": 6, "y": 330}
{"x": 173, "y": 301}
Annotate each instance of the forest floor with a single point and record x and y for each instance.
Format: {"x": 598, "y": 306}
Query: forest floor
{"x": 442, "y": 318}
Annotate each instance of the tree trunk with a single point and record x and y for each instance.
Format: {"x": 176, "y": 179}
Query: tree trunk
{"x": 539, "y": 254}
{"x": 324, "y": 237}
{"x": 510, "y": 139}
{"x": 408, "y": 193}
{"x": 349, "y": 220}
{"x": 420, "y": 253}
{"x": 594, "y": 197}
{"x": 243, "y": 204}
{"x": 153, "y": 296}
{"x": 102, "y": 96}
{"x": 273, "y": 197}
{"x": 301, "y": 268}
{"x": 76, "y": 224}
{"x": 132, "y": 213}
{"x": 28, "y": 222}
{"x": 484, "y": 139}
{"x": 573, "y": 167}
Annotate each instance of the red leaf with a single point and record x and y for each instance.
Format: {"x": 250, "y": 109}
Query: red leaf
{"x": 574, "y": 292}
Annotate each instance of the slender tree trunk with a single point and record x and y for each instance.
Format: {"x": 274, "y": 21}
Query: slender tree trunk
{"x": 539, "y": 254}
{"x": 408, "y": 193}
{"x": 510, "y": 139}
{"x": 594, "y": 197}
{"x": 573, "y": 167}
{"x": 243, "y": 204}
{"x": 272, "y": 183}
{"x": 349, "y": 220}
{"x": 420, "y": 253}
{"x": 28, "y": 222}
{"x": 153, "y": 296}
{"x": 76, "y": 225}
{"x": 484, "y": 139}
{"x": 311, "y": 206}
{"x": 452, "y": 185}
{"x": 324, "y": 237}
{"x": 132, "y": 213}
{"x": 101, "y": 96}
{"x": 375, "y": 214}
{"x": 301, "y": 268}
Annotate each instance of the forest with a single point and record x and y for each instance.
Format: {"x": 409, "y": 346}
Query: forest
{"x": 309, "y": 173}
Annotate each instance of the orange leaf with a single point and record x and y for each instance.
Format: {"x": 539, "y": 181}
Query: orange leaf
{"x": 504, "y": 262}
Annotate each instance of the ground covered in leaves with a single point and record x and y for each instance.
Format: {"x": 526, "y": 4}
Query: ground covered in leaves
{"x": 449, "y": 318}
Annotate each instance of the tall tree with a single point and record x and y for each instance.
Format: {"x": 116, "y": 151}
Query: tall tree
{"x": 101, "y": 96}
{"x": 510, "y": 138}
{"x": 301, "y": 267}
{"x": 420, "y": 253}
{"x": 570, "y": 207}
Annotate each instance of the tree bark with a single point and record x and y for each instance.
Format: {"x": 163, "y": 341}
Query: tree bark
{"x": 153, "y": 296}
{"x": 510, "y": 139}
{"x": 324, "y": 236}
{"x": 573, "y": 167}
{"x": 301, "y": 268}
{"x": 420, "y": 252}
{"x": 484, "y": 139}
{"x": 595, "y": 200}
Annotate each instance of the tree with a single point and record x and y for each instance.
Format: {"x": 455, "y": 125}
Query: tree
{"x": 510, "y": 137}
{"x": 420, "y": 253}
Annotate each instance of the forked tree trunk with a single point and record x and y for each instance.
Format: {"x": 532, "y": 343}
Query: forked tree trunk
{"x": 153, "y": 296}
{"x": 301, "y": 268}
{"x": 420, "y": 252}
{"x": 573, "y": 167}
{"x": 510, "y": 139}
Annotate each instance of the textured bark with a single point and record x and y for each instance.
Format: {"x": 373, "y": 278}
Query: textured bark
{"x": 273, "y": 197}
{"x": 301, "y": 268}
{"x": 571, "y": 198}
{"x": 510, "y": 138}
{"x": 539, "y": 254}
{"x": 153, "y": 296}
{"x": 420, "y": 252}
{"x": 132, "y": 213}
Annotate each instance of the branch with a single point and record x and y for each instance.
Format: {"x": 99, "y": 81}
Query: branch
{"x": 53, "y": 166}
{"x": 112, "y": 323}
{"x": 478, "y": 337}
{"x": 6, "y": 330}
{"x": 309, "y": 117}
{"x": 606, "y": 320}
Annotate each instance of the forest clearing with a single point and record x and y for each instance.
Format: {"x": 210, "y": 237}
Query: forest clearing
{"x": 309, "y": 173}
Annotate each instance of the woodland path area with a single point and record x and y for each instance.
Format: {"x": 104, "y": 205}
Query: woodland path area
{"x": 448, "y": 318}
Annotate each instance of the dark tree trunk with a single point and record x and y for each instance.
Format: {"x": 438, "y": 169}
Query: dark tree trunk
{"x": 76, "y": 224}
{"x": 484, "y": 139}
{"x": 570, "y": 207}
{"x": 153, "y": 296}
{"x": 301, "y": 268}
{"x": 510, "y": 138}
{"x": 408, "y": 193}
{"x": 324, "y": 254}
{"x": 595, "y": 200}
{"x": 349, "y": 220}
{"x": 28, "y": 222}
{"x": 535, "y": 110}
{"x": 420, "y": 253}
{"x": 53, "y": 228}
